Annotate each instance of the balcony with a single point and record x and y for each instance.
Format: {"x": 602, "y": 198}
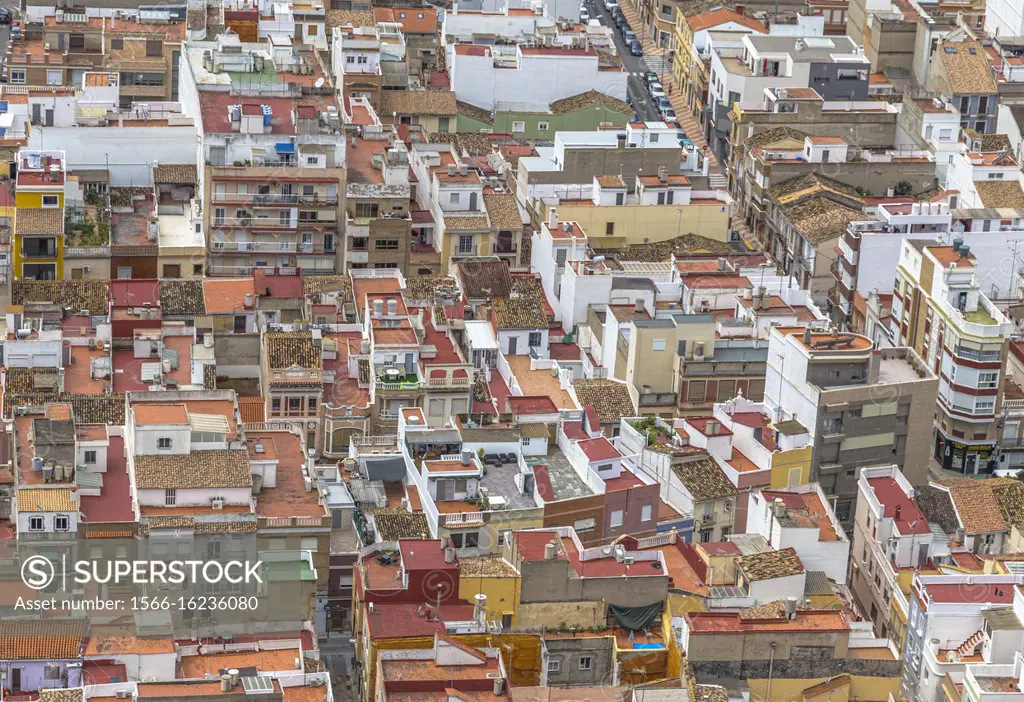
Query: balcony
{"x": 276, "y": 199}
{"x": 448, "y": 383}
{"x": 265, "y": 247}
{"x": 502, "y": 249}
{"x": 657, "y": 399}
{"x": 391, "y": 380}
{"x": 460, "y": 519}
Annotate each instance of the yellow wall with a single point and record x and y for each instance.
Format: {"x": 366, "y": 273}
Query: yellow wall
{"x": 634, "y": 223}
{"x": 35, "y": 199}
{"x": 784, "y": 461}
{"x": 502, "y": 594}
{"x": 861, "y": 687}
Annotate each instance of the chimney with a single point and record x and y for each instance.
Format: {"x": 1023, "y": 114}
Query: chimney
{"x": 480, "y": 607}
{"x": 449, "y": 555}
{"x": 225, "y": 683}
{"x": 662, "y": 174}
{"x": 779, "y": 508}
{"x": 499, "y": 686}
{"x": 451, "y": 169}
{"x": 467, "y": 458}
{"x": 790, "y": 608}
{"x": 553, "y": 219}
{"x": 807, "y": 336}
{"x": 711, "y": 428}
{"x": 639, "y": 306}
{"x": 620, "y": 140}
{"x": 721, "y": 264}
{"x": 550, "y": 551}
{"x": 463, "y": 170}
{"x": 761, "y": 290}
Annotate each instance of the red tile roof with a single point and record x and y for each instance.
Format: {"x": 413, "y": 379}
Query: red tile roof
{"x": 599, "y": 449}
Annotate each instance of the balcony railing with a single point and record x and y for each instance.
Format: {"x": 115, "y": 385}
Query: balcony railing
{"x": 276, "y": 199}
{"x": 657, "y": 399}
{"x": 504, "y": 248}
{"x": 266, "y": 246}
{"x": 459, "y": 518}
{"x": 448, "y": 383}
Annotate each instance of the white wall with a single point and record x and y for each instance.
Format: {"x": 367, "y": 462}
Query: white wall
{"x": 48, "y": 517}
{"x": 185, "y": 497}
{"x": 522, "y": 337}
{"x": 774, "y": 589}
{"x": 147, "y": 437}
{"x": 129, "y": 151}
{"x": 39, "y": 353}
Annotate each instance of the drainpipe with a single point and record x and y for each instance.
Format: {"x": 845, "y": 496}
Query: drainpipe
{"x": 771, "y": 665}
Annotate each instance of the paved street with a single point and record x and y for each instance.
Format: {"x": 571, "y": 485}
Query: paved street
{"x": 636, "y": 66}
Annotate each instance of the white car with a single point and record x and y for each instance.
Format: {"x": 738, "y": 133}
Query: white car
{"x": 609, "y": 4}
{"x": 656, "y": 91}
{"x": 584, "y": 15}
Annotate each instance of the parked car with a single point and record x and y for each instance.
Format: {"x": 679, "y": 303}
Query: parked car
{"x": 635, "y": 48}
{"x": 629, "y": 36}
{"x": 5, "y": 16}
{"x": 16, "y": 30}
{"x": 668, "y": 114}
{"x": 650, "y": 77}
{"x": 609, "y": 4}
{"x": 656, "y": 91}
{"x": 584, "y": 15}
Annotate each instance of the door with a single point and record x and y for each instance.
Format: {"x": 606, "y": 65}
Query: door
{"x": 124, "y": 272}
{"x": 512, "y": 346}
{"x": 15, "y": 679}
{"x": 472, "y": 201}
{"x": 239, "y": 324}
{"x": 49, "y": 117}
{"x": 37, "y": 113}
{"x": 172, "y": 270}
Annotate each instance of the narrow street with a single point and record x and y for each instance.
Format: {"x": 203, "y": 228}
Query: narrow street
{"x": 635, "y": 65}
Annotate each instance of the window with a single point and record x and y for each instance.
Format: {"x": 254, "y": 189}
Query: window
{"x": 996, "y": 176}
{"x": 90, "y": 456}
{"x": 362, "y": 59}
{"x": 988, "y": 380}
{"x": 52, "y": 672}
{"x": 983, "y": 105}
{"x": 154, "y": 47}
{"x": 117, "y": 43}
{"x": 387, "y": 244}
{"x": 350, "y": 59}
{"x": 308, "y": 543}
{"x": 18, "y": 76}
{"x": 453, "y": 198}
{"x": 658, "y": 345}
{"x": 554, "y": 667}
{"x": 436, "y": 408}
{"x": 311, "y": 403}
{"x": 61, "y": 522}
{"x": 366, "y": 209}
{"x": 163, "y": 442}
{"x": 543, "y": 126}
{"x": 901, "y": 420}
{"x": 833, "y": 426}
{"x": 609, "y": 229}
{"x": 359, "y": 243}
{"x": 170, "y": 497}
{"x": 945, "y": 134}
{"x": 535, "y": 338}
{"x": 705, "y": 536}
{"x": 560, "y": 257}
{"x": 928, "y": 131}
{"x": 586, "y": 662}
{"x": 54, "y": 77}
{"x": 726, "y": 390}
{"x": 466, "y": 244}
{"x": 51, "y": 200}
{"x": 294, "y": 404}
{"x": 965, "y": 105}
{"x": 695, "y": 391}
{"x": 35, "y": 523}
{"x": 984, "y": 406}
{"x": 518, "y": 127}
{"x": 646, "y": 512}
{"x": 616, "y": 519}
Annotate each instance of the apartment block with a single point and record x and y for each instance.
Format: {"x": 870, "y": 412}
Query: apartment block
{"x": 939, "y": 310}
{"x": 861, "y": 405}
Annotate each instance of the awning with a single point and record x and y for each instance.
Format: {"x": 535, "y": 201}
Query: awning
{"x": 285, "y": 148}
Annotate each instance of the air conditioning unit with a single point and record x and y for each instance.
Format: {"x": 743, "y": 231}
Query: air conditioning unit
{"x": 217, "y": 503}
{"x": 122, "y": 694}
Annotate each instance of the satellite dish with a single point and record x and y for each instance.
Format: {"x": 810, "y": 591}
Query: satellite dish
{"x": 319, "y": 82}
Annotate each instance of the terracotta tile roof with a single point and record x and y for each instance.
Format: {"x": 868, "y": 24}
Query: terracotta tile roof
{"x": 46, "y": 499}
{"x": 503, "y": 211}
{"x": 721, "y": 16}
{"x": 198, "y": 469}
{"x": 809, "y": 185}
{"x": 820, "y": 219}
{"x": 92, "y": 295}
{"x": 681, "y": 245}
{"x": 47, "y": 220}
{"x": 182, "y": 297}
{"x": 582, "y": 101}
{"x": 1011, "y": 502}
{"x": 937, "y": 507}
{"x": 349, "y": 18}
{"x": 704, "y": 479}
{"x": 486, "y": 567}
{"x": 770, "y": 564}
{"x": 312, "y": 284}
{"x": 524, "y": 307}
{"x": 175, "y": 174}
{"x": 464, "y": 223}
{"x": 76, "y": 694}
{"x": 766, "y": 610}
{"x": 290, "y": 349}
{"x": 611, "y": 181}
{"x": 770, "y": 137}
{"x": 418, "y": 102}
{"x": 97, "y": 409}
{"x": 252, "y": 409}
{"x": 395, "y": 524}
{"x": 1000, "y": 193}
{"x": 609, "y": 399}
{"x": 481, "y": 278}
{"x": 423, "y": 287}
{"x": 967, "y": 67}
{"x": 976, "y": 505}
{"x": 474, "y": 112}
{"x": 54, "y": 639}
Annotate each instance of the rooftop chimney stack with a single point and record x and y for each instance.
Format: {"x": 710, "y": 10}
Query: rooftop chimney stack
{"x": 553, "y": 219}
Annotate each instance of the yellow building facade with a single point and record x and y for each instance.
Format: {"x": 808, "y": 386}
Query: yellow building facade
{"x": 38, "y": 243}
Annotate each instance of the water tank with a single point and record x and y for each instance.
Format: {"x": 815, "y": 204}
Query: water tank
{"x": 37, "y": 463}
